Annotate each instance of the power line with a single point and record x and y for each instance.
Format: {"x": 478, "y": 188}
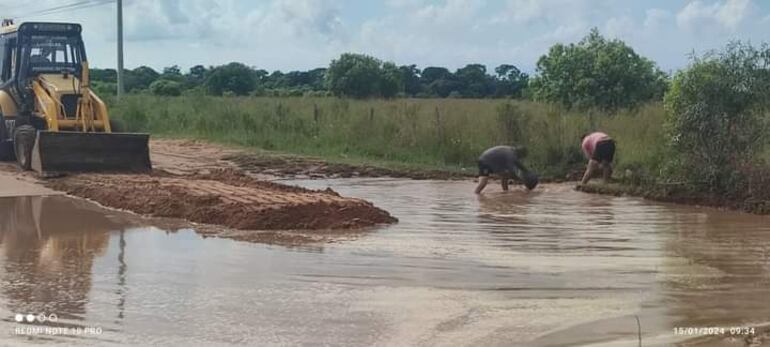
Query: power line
{"x": 54, "y": 8}
{"x": 71, "y": 7}
{"x": 66, "y": 8}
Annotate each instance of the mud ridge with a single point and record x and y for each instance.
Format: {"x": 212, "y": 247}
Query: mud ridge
{"x": 673, "y": 194}
{"x": 224, "y": 197}
{"x": 296, "y": 166}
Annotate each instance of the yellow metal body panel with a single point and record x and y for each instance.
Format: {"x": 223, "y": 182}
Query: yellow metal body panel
{"x": 59, "y": 83}
{"x": 91, "y": 113}
{"x": 47, "y": 105}
{"x": 7, "y": 104}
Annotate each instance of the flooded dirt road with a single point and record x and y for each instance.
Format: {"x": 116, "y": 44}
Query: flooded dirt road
{"x": 549, "y": 268}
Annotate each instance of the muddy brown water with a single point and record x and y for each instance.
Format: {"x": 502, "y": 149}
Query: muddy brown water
{"x": 549, "y": 268}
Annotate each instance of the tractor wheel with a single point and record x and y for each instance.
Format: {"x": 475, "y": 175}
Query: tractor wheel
{"x": 6, "y": 146}
{"x": 23, "y": 142}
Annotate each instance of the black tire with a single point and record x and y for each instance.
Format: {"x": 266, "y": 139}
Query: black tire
{"x": 23, "y": 142}
{"x": 3, "y": 131}
{"x": 6, "y": 147}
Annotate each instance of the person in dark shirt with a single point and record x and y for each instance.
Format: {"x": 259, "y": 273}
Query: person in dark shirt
{"x": 504, "y": 161}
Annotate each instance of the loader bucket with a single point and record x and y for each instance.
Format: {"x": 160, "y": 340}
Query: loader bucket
{"x": 65, "y": 151}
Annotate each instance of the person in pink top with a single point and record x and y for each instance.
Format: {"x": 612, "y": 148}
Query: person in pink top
{"x": 599, "y": 149}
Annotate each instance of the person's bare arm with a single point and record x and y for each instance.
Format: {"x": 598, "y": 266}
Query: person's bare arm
{"x": 521, "y": 170}
{"x": 482, "y": 183}
{"x": 592, "y": 166}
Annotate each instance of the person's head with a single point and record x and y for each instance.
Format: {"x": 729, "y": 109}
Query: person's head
{"x": 520, "y": 151}
{"x": 530, "y": 180}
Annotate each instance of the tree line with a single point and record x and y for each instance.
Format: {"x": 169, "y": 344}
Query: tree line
{"x": 353, "y": 75}
{"x": 593, "y": 73}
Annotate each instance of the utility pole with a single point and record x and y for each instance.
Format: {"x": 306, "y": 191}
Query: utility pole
{"x": 120, "y": 48}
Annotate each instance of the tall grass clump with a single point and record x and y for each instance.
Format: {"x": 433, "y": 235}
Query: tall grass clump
{"x": 438, "y": 133}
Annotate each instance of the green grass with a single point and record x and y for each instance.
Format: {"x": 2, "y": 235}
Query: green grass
{"x": 447, "y": 134}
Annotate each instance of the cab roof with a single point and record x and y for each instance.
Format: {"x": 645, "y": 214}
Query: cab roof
{"x": 8, "y": 26}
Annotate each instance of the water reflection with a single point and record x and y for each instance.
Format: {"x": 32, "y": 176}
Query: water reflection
{"x": 49, "y": 245}
{"x": 122, "y": 268}
{"x": 552, "y": 267}
{"x": 718, "y": 269}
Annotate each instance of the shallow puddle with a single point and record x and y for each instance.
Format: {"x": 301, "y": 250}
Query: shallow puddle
{"x": 549, "y": 268}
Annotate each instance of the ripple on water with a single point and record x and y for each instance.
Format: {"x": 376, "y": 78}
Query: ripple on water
{"x": 552, "y": 267}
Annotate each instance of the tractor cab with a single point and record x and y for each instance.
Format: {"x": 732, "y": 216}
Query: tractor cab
{"x": 51, "y": 48}
{"x": 32, "y": 49}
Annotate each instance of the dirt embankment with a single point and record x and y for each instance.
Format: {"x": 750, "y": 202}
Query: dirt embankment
{"x": 224, "y": 197}
{"x": 296, "y": 166}
{"x": 677, "y": 195}
{"x": 192, "y": 181}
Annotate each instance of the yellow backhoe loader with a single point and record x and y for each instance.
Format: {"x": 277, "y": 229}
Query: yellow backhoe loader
{"x": 51, "y": 120}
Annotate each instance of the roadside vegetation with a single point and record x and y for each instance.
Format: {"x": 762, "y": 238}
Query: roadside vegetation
{"x": 433, "y": 133}
{"x": 701, "y": 133}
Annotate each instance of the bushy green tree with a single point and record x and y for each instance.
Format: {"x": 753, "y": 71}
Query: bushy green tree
{"x": 233, "y": 78}
{"x": 104, "y": 88}
{"x": 717, "y": 117}
{"x": 139, "y": 78}
{"x": 104, "y": 75}
{"x": 511, "y": 82}
{"x": 316, "y": 79}
{"x": 410, "y": 79}
{"x": 355, "y": 75}
{"x": 597, "y": 73}
{"x": 361, "y": 76}
{"x": 474, "y": 81}
{"x": 195, "y": 77}
{"x": 390, "y": 80}
{"x": 438, "y": 81}
{"x": 172, "y": 73}
{"x": 165, "y": 87}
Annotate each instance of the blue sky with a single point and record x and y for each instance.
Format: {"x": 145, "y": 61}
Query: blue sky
{"x": 304, "y": 34}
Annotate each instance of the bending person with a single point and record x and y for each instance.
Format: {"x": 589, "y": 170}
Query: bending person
{"x": 599, "y": 149}
{"x": 505, "y": 161}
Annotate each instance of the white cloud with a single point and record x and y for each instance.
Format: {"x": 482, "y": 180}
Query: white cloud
{"x": 400, "y": 4}
{"x": 551, "y": 11}
{"x": 728, "y": 14}
{"x": 310, "y": 16}
{"x": 452, "y": 12}
{"x": 566, "y": 33}
{"x": 525, "y": 11}
{"x": 303, "y": 34}
{"x": 655, "y": 18}
{"x": 619, "y": 27}
{"x": 448, "y": 31}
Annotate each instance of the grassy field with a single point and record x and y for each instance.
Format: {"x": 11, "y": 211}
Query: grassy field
{"x": 446, "y": 134}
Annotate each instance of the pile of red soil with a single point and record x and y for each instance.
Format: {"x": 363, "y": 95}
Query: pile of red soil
{"x": 225, "y": 197}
